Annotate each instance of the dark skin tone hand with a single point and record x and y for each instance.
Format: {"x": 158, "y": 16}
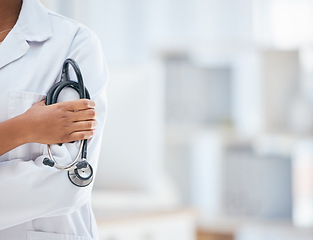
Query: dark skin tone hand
{"x": 60, "y": 122}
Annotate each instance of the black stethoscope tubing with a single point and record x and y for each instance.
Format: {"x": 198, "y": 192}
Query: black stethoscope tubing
{"x": 76, "y": 169}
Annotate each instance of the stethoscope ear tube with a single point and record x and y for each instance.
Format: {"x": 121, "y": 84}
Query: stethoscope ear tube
{"x": 61, "y": 167}
{"x": 80, "y": 171}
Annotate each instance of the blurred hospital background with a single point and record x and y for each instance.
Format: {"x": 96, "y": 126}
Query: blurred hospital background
{"x": 209, "y": 134}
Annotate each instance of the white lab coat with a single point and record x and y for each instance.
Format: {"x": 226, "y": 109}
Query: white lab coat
{"x": 38, "y": 202}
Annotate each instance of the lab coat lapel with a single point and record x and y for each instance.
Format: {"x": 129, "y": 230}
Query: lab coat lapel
{"x": 33, "y": 25}
{"x": 14, "y": 47}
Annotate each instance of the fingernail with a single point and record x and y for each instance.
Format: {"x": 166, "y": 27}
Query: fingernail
{"x": 91, "y": 104}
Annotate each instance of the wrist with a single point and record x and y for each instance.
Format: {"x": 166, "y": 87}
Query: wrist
{"x": 24, "y": 129}
{"x": 13, "y": 133}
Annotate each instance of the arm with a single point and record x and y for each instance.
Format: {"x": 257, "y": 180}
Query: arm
{"x": 30, "y": 190}
{"x": 12, "y": 134}
{"x": 61, "y": 122}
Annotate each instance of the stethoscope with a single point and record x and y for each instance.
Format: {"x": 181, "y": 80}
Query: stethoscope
{"x": 80, "y": 171}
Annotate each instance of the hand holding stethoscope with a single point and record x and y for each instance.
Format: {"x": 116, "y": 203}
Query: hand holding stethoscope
{"x": 80, "y": 171}
{"x": 74, "y": 118}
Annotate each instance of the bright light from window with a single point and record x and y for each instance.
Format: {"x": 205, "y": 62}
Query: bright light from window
{"x": 291, "y": 22}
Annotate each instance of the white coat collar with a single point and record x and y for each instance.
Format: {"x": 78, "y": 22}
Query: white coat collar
{"x": 33, "y": 25}
{"x": 34, "y": 21}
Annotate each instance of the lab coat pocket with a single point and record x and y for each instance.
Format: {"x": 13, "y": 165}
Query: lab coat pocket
{"x": 32, "y": 235}
{"x": 18, "y": 103}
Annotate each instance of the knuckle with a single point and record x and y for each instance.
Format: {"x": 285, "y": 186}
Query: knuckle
{"x": 64, "y": 118}
{"x": 89, "y": 125}
{"x": 82, "y": 135}
{"x": 85, "y": 103}
{"x": 92, "y": 113}
{"x": 60, "y": 106}
{"x": 64, "y": 138}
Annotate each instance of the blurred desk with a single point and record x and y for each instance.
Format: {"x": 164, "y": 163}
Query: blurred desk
{"x": 253, "y": 229}
{"x": 220, "y": 229}
{"x": 212, "y": 235}
{"x": 271, "y": 230}
{"x": 177, "y": 224}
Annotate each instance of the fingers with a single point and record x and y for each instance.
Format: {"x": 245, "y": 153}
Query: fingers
{"x": 83, "y": 126}
{"x": 62, "y": 122}
{"x": 81, "y": 130}
{"x": 75, "y": 105}
{"x": 78, "y": 105}
{"x": 75, "y": 136}
{"x": 83, "y": 115}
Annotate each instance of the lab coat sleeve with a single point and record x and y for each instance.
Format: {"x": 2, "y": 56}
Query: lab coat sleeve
{"x": 30, "y": 190}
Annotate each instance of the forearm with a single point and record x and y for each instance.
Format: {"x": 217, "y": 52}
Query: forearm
{"x": 13, "y": 133}
{"x": 57, "y": 123}
{"x": 42, "y": 186}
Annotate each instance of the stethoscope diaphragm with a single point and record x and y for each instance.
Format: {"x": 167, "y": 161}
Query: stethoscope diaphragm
{"x": 81, "y": 177}
{"x": 80, "y": 171}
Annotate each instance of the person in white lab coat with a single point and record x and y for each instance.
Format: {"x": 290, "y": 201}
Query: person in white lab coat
{"x": 38, "y": 202}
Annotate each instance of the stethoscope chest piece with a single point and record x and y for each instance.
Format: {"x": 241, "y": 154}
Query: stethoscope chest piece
{"x": 79, "y": 172}
{"x": 81, "y": 176}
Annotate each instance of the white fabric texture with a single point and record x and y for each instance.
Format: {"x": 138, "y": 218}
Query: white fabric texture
{"x": 39, "y": 202}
